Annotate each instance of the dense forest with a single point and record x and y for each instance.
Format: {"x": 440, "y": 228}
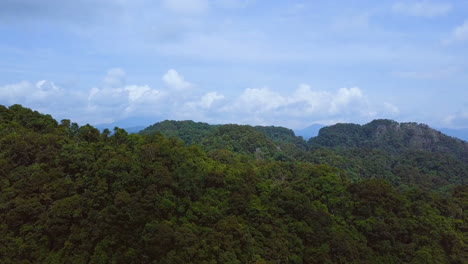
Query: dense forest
{"x": 187, "y": 192}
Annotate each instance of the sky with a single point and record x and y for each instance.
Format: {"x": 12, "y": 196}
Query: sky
{"x": 279, "y": 62}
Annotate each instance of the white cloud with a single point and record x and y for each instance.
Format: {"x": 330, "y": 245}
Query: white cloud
{"x": 302, "y": 103}
{"x": 116, "y": 99}
{"x": 391, "y": 109}
{"x": 313, "y": 101}
{"x": 456, "y": 120}
{"x": 186, "y": 6}
{"x": 115, "y": 78}
{"x": 141, "y": 94}
{"x": 122, "y": 97}
{"x": 106, "y": 97}
{"x": 43, "y": 92}
{"x": 47, "y": 97}
{"x": 11, "y": 93}
{"x": 448, "y": 120}
{"x": 344, "y": 97}
{"x": 296, "y": 109}
{"x": 259, "y": 100}
{"x": 206, "y": 101}
{"x": 111, "y": 100}
{"x": 422, "y": 8}
{"x": 459, "y": 34}
{"x": 176, "y": 81}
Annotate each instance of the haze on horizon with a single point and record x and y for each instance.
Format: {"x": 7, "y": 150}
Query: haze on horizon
{"x": 289, "y": 63}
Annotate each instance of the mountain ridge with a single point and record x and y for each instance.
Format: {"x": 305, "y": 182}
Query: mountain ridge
{"x": 390, "y": 135}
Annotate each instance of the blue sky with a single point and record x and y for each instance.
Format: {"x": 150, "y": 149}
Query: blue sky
{"x": 283, "y": 62}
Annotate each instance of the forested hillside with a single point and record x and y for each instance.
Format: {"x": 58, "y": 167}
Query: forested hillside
{"x": 391, "y": 136}
{"x": 403, "y": 154}
{"x": 228, "y": 194}
{"x": 188, "y": 131}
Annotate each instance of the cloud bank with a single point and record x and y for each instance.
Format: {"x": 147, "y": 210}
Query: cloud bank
{"x": 114, "y": 99}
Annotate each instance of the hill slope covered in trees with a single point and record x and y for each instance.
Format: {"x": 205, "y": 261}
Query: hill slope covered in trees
{"x": 71, "y": 194}
{"x": 390, "y": 136}
{"x": 403, "y": 154}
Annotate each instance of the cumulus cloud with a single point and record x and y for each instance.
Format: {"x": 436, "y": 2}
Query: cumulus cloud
{"x": 115, "y": 78}
{"x": 12, "y": 93}
{"x": 113, "y": 99}
{"x": 300, "y": 107}
{"x": 258, "y": 100}
{"x": 142, "y": 94}
{"x": 47, "y": 97}
{"x": 309, "y": 101}
{"x": 457, "y": 120}
{"x": 459, "y": 34}
{"x": 186, "y": 6}
{"x": 205, "y": 102}
{"x": 203, "y": 108}
{"x": 303, "y": 103}
{"x": 42, "y": 92}
{"x": 175, "y": 81}
{"x": 107, "y": 102}
{"x": 422, "y": 8}
{"x": 344, "y": 98}
{"x": 209, "y": 99}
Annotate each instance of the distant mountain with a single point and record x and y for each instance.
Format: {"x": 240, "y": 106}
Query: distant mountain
{"x": 194, "y": 132}
{"x": 130, "y": 130}
{"x": 131, "y": 125}
{"x": 265, "y": 141}
{"x": 308, "y": 132}
{"x": 383, "y": 135}
{"x": 134, "y": 130}
{"x": 402, "y": 153}
{"x": 461, "y": 133}
{"x": 390, "y": 136}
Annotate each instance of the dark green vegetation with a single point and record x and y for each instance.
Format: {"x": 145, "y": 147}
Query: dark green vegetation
{"x": 233, "y": 194}
{"x": 403, "y": 154}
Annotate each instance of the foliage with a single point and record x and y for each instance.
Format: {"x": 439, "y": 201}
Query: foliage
{"x": 70, "y": 194}
{"x": 390, "y": 136}
{"x": 188, "y": 131}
